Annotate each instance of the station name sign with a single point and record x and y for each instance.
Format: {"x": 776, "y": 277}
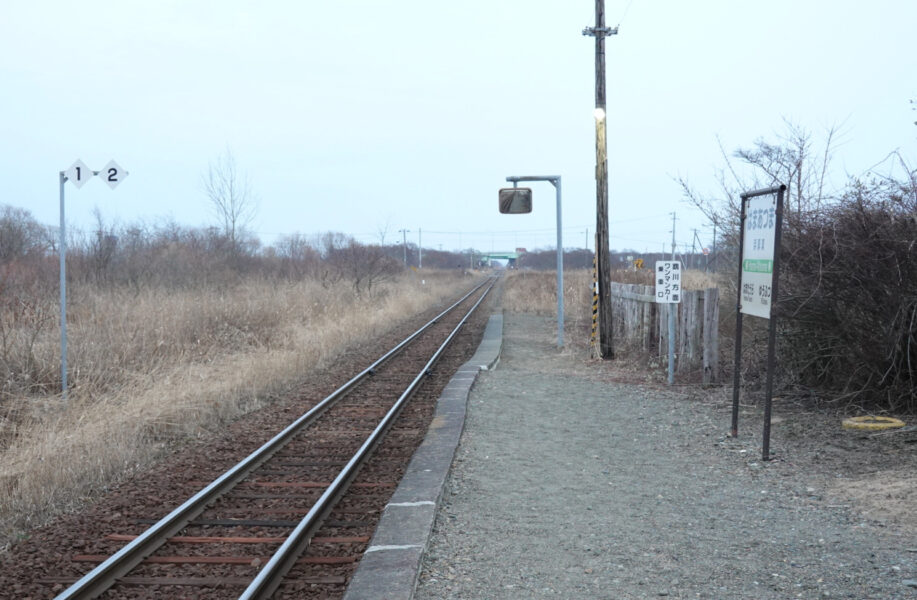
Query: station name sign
{"x": 758, "y": 256}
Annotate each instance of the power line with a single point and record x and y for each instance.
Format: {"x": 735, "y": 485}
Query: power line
{"x": 626, "y": 10}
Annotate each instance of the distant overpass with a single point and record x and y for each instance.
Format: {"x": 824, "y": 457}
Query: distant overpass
{"x": 487, "y": 257}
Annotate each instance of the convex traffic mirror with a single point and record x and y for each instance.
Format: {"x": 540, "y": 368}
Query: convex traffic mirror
{"x": 515, "y": 201}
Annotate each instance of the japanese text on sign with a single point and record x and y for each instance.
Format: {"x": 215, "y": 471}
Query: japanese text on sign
{"x": 668, "y": 281}
{"x": 758, "y": 256}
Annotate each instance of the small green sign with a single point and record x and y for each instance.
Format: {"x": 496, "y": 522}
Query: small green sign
{"x": 758, "y": 266}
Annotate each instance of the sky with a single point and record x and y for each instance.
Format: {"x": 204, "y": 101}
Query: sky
{"x": 369, "y": 118}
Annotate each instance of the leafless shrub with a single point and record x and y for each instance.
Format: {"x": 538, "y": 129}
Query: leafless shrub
{"x": 363, "y": 266}
{"x": 27, "y": 310}
{"x": 26, "y": 317}
{"x": 21, "y": 236}
{"x": 849, "y": 297}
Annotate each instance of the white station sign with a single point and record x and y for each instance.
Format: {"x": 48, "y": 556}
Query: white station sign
{"x": 668, "y": 281}
{"x": 758, "y": 256}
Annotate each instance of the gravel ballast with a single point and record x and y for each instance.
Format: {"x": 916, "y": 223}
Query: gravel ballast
{"x": 569, "y": 483}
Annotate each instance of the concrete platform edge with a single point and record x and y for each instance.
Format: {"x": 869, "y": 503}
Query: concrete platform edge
{"x": 391, "y": 564}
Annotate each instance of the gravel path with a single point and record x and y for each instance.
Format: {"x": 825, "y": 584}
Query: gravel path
{"x": 569, "y": 485}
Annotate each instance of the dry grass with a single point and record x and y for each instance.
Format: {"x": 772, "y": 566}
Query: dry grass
{"x": 536, "y": 291}
{"x": 155, "y": 368}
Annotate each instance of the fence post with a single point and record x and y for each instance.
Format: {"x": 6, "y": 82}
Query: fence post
{"x": 647, "y": 318}
{"x": 711, "y": 335}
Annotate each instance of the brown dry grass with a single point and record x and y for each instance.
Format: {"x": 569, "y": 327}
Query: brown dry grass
{"x": 536, "y": 291}
{"x": 154, "y": 368}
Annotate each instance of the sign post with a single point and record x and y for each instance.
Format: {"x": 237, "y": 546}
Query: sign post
{"x": 78, "y": 174}
{"x": 759, "y": 267}
{"x": 668, "y": 291}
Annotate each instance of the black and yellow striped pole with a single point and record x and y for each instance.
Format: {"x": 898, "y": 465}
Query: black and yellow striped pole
{"x": 595, "y": 307}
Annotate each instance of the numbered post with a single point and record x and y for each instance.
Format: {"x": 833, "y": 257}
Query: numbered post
{"x": 78, "y": 174}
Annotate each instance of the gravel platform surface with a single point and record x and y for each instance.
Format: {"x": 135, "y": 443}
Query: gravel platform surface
{"x": 575, "y": 480}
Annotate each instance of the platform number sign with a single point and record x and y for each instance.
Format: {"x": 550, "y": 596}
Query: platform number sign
{"x": 758, "y": 256}
{"x": 112, "y": 174}
{"x": 668, "y": 281}
{"x": 78, "y": 173}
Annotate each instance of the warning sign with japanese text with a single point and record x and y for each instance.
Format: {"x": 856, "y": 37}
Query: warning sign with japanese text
{"x": 668, "y": 281}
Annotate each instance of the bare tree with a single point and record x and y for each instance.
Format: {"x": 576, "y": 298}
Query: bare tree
{"x": 231, "y": 198}
{"x": 21, "y": 235}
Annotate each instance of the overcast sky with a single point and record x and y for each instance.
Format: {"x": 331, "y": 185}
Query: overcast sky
{"x": 368, "y": 117}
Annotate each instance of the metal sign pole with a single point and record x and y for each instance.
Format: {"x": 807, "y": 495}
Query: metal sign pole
{"x": 672, "y": 315}
{"x": 555, "y": 180}
{"x": 668, "y": 291}
{"x": 672, "y": 310}
{"x": 772, "y": 334}
{"x": 78, "y": 174}
{"x": 63, "y": 291}
{"x": 737, "y": 371}
{"x": 560, "y": 268}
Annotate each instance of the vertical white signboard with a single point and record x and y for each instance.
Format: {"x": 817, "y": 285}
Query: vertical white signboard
{"x": 668, "y": 281}
{"x": 758, "y": 255}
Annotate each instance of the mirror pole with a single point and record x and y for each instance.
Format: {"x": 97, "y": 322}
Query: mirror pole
{"x": 560, "y": 268}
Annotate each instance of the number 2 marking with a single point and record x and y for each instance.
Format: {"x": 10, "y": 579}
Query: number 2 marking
{"x": 113, "y": 174}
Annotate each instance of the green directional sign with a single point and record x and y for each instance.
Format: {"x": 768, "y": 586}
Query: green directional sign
{"x": 758, "y": 266}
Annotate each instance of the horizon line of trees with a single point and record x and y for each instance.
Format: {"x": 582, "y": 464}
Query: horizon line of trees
{"x": 169, "y": 253}
{"x": 104, "y": 246}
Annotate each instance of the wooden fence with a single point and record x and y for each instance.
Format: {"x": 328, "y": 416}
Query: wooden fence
{"x": 639, "y": 322}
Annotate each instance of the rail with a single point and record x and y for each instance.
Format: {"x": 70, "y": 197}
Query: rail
{"x": 102, "y": 577}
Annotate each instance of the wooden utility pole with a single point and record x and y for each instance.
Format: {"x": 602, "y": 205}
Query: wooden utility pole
{"x": 603, "y": 258}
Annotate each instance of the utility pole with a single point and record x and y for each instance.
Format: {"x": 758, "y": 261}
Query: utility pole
{"x": 404, "y": 243}
{"x": 700, "y": 244}
{"x": 603, "y": 260}
{"x": 714, "y": 246}
{"x": 419, "y": 248}
{"x": 673, "y": 236}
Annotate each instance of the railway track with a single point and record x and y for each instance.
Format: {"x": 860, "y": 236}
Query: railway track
{"x": 292, "y": 518}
